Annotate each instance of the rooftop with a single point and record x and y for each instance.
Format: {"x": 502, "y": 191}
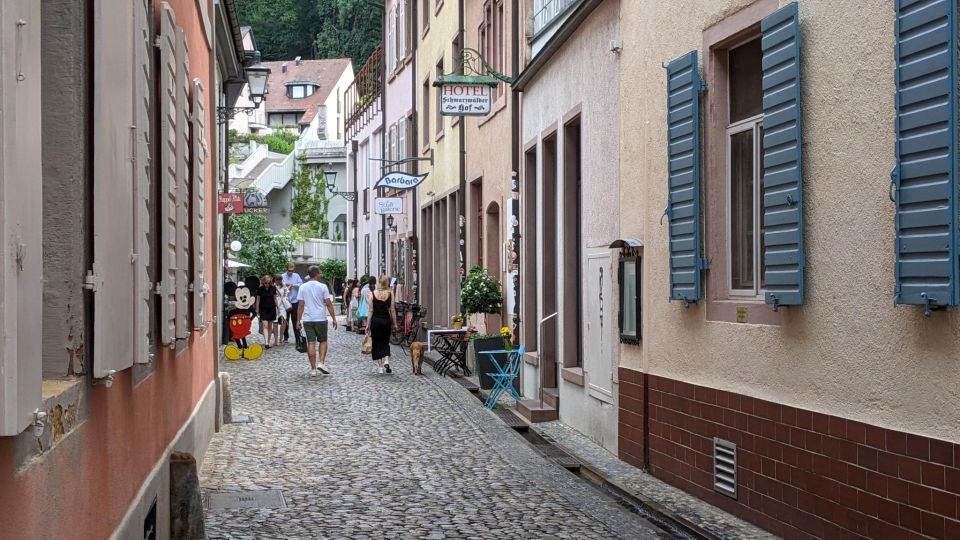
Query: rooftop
{"x": 323, "y": 73}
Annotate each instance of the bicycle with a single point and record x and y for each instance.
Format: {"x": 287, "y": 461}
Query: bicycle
{"x": 409, "y": 317}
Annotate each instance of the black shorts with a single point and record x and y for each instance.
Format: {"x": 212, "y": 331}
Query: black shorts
{"x": 315, "y": 331}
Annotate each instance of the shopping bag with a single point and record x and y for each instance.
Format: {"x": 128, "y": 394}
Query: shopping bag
{"x": 362, "y": 309}
{"x": 367, "y": 346}
{"x": 301, "y": 342}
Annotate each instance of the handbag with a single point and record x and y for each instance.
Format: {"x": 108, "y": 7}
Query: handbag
{"x": 367, "y": 346}
{"x": 301, "y": 342}
{"x": 287, "y": 306}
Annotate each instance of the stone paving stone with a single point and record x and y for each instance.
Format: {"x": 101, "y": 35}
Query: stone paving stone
{"x": 363, "y": 455}
{"x": 642, "y": 484}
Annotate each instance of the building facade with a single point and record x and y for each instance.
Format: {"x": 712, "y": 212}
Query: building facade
{"x": 108, "y": 259}
{"x": 777, "y": 328}
{"x": 440, "y": 196}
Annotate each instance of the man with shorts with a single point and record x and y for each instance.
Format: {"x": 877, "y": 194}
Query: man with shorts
{"x": 313, "y": 298}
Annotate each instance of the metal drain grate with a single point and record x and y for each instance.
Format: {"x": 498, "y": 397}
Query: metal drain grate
{"x": 263, "y": 498}
{"x": 725, "y": 467}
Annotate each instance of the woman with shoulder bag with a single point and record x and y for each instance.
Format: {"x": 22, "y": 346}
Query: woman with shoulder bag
{"x": 283, "y": 308}
{"x": 383, "y": 319}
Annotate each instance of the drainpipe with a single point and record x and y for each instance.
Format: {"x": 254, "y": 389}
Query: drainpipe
{"x": 515, "y": 167}
{"x": 356, "y": 233}
{"x": 383, "y": 146}
{"x": 415, "y": 203}
{"x": 462, "y": 198}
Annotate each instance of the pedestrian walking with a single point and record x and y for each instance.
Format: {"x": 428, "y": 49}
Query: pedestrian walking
{"x": 267, "y": 309}
{"x": 292, "y": 281}
{"x": 314, "y": 296}
{"x": 383, "y": 319}
{"x": 348, "y": 302}
{"x": 283, "y": 313}
{"x": 364, "y": 309}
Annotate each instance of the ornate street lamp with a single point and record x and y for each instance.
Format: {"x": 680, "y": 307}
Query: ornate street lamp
{"x": 256, "y": 76}
{"x": 330, "y": 178}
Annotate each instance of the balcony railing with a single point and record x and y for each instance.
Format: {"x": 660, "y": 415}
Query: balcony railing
{"x": 315, "y": 250}
{"x": 546, "y": 11}
{"x": 362, "y": 97}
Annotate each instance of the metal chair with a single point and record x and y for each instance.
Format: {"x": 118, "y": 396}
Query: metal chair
{"x": 504, "y": 375}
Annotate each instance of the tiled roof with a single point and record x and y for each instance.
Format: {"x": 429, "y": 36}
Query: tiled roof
{"x": 325, "y": 73}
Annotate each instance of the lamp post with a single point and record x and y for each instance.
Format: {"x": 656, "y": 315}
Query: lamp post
{"x": 256, "y": 76}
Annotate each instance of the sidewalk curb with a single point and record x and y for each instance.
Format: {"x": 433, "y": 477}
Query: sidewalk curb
{"x": 591, "y": 474}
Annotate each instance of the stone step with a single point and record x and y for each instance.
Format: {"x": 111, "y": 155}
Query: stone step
{"x": 531, "y": 410}
{"x": 551, "y": 396}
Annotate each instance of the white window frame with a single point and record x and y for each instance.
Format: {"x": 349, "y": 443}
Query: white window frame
{"x": 754, "y": 124}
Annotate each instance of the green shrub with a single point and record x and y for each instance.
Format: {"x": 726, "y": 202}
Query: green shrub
{"x": 481, "y": 293}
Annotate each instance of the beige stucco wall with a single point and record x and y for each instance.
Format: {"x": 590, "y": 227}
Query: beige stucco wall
{"x": 444, "y": 175}
{"x": 848, "y": 351}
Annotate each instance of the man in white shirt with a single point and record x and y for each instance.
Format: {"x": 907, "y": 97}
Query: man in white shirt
{"x": 292, "y": 281}
{"x": 314, "y": 297}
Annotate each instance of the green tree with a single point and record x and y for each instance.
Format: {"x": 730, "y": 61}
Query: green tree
{"x": 350, "y": 29}
{"x": 333, "y": 269}
{"x": 265, "y": 252}
{"x": 481, "y": 293}
{"x": 284, "y": 29}
{"x": 310, "y": 200}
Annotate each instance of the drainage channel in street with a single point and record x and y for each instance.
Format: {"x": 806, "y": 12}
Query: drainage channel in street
{"x": 672, "y": 528}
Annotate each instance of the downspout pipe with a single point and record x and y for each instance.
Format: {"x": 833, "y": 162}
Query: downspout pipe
{"x": 415, "y": 193}
{"x": 383, "y": 143}
{"x": 462, "y": 197}
{"x": 515, "y": 167}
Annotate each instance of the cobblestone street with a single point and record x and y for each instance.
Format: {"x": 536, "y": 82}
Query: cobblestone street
{"x": 357, "y": 454}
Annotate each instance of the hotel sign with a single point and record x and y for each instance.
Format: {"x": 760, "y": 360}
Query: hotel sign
{"x": 464, "y": 99}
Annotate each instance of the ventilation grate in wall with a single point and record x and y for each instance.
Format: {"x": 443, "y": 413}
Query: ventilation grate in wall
{"x": 725, "y": 467}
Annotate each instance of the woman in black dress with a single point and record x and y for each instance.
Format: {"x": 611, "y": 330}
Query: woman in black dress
{"x": 267, "y": 308}
{"x": 383, "y": 318}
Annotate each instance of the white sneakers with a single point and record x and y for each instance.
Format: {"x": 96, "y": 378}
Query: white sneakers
{"x": 313, "y": 373}
{"x": 323, "y": 368}
{"x": 380, "y": 371}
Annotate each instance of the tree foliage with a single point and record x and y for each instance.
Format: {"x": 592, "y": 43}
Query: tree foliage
{"x": 264, "y": 251}
{"x": 285, "y": 29}
{"x": 310, "y": 200}
{"x": 333, "y": 270}
{"x": 280, "y": 141}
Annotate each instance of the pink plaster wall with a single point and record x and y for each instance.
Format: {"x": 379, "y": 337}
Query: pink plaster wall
{"x": 85, "y": 485}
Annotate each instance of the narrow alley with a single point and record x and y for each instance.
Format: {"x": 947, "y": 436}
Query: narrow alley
{"x": 357, "y": 454}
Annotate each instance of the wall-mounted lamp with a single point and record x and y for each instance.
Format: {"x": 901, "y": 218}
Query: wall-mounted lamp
{"x": 390, "y": 224}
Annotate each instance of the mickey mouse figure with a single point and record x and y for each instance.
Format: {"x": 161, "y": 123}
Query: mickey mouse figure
{"x": 241, "y": 318}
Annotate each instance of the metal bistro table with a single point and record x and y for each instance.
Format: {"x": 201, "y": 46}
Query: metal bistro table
{"x": 451, "y": 344}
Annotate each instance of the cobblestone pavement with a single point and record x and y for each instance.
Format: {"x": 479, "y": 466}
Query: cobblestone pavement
{"x": 363, "y": 455}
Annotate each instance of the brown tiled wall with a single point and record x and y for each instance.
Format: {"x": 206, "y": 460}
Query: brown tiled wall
{"x": 799, "y": 473}
{"x": 630, "y": 444}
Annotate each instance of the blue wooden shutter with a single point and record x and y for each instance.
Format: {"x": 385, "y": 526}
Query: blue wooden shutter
{"x": 683, "y": 166}
{"x": 926, "y": 151}
{"x": 782, "y": 156}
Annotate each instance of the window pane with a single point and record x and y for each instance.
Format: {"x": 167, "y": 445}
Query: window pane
{"x": 741, "y": 210}
{"x": 297, "y": 92}
{"x": 628, "y": 298}
{"x": 746, "y": 78}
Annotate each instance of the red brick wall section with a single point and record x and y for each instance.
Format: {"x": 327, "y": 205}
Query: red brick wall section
{"x": 631, "y": 426}
{"x": 799, "y": 473}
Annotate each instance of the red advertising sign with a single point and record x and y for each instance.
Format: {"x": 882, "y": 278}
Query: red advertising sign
{"x": 230, "y": 203}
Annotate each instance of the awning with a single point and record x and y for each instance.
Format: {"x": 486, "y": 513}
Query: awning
{"x": 236, "y": 264}
{"x": 626, "y": 243}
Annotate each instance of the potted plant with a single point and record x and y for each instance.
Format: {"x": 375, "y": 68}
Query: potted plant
{"x": 457, "y": 321}
{"x": 481, "y": 295}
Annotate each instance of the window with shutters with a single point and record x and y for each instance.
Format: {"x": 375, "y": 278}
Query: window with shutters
{"x": 438, "y": 117}
{"x": 425, "y": 116}
{"x": 198, "y": 140}
{"x": 21, "y": 211}
{"x": 753, "y": 182}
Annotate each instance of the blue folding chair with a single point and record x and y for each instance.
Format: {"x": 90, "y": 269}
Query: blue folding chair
{"x": 504, "y": 375}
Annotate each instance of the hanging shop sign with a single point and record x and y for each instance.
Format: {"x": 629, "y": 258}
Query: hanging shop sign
{"x": 255, "y": 202}
{"x": 388, "y": 205}
{"x": 398, "y": 180}
{"x": 458, "y": 99}
{"x": 230, "y": 203}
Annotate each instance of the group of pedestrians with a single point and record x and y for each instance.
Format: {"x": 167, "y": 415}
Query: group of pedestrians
{"x": 276, "y": 305}
{"x": 286, "y": 300}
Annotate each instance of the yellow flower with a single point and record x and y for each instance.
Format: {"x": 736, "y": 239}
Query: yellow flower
{"x": 505, "y": 331}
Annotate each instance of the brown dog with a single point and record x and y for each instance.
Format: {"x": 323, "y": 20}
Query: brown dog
{"x": 417, "y": 348}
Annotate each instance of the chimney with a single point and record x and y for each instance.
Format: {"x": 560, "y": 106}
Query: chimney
{"x": 283, "y": 68}
{"x": 297, "y": 60}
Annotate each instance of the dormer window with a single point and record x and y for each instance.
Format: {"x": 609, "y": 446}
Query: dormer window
{"x": 300, "y": 90}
